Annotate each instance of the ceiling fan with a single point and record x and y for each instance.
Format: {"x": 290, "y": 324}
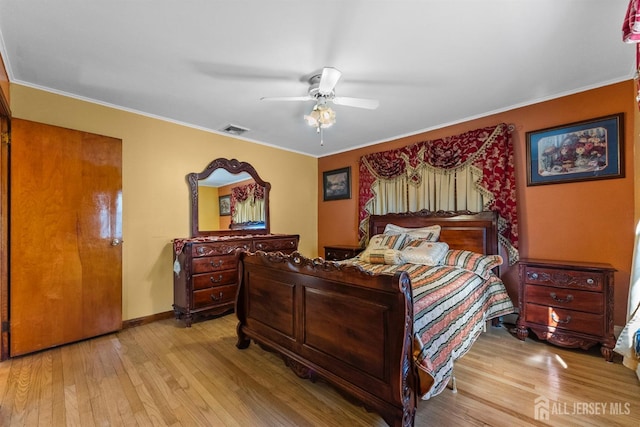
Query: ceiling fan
{"x": 322, "y": 91}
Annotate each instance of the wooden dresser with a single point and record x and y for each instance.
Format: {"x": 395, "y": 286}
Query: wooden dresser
{"x": 205, "y": 270}
{"x": 569, "y": 304}
{"x": 341, "y": 252}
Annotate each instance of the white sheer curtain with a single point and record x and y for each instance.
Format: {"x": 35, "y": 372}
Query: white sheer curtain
{"x": 436, "y": 189}
{"x": 248, "y": 210}
{"x": 626, "y": 341}
{"x": 390, "y": 196}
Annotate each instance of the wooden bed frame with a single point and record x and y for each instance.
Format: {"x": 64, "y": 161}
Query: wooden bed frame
{"x": 341, "y": 324}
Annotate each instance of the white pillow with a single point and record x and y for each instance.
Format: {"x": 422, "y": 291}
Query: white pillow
{"x": 424, "y": 252}
{"x": 431, "y": 233}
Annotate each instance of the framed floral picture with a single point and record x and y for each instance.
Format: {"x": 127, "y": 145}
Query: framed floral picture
{"x": 225, "y": 205}
{"x": 581, "y": 151}
{"x": 336, "y": 184}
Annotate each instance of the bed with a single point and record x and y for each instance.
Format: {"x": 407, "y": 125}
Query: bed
{"x": 384, "y": 334}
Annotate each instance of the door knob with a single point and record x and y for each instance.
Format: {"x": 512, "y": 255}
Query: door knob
{"x": 116, "y": 242}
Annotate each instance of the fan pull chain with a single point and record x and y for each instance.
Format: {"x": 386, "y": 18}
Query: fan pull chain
{"x": 321, "y": 136}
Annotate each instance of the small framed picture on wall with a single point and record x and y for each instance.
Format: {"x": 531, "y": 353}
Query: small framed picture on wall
{"x": 336, "y": 184}
{"x": 225, "y": 205}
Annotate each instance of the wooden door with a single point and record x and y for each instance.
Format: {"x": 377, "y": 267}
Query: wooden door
{"x": 4, "y": 231}
{"x": 65, "y": 231}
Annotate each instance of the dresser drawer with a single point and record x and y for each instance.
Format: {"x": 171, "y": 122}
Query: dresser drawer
{"x": 572, "y": 299}
{"x": 273, "y": 245}
{"x": 570, "y": 320}
{"x": 215, "y": 263}
{"x": 339, "y": 253}
{"x": 215, "y": 278}
{"x": 564, "y": 278}
{"x": 217, "y": 295}
{"x": 218, "y": 248}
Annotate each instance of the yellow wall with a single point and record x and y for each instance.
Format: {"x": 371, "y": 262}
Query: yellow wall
{"x": 156, "y": 157}
{"x": 208, "y": 209}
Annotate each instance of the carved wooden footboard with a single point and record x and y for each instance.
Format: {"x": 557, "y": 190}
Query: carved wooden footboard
{"x": 349, "y": 327}
{"x": 334, "y": 322}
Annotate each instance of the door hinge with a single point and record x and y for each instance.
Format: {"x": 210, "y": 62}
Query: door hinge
{"x": 5, "y": 327}
{"x": 5, "y": 139}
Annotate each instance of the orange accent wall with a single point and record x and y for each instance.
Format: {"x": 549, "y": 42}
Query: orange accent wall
{"x": 589, "y": 221}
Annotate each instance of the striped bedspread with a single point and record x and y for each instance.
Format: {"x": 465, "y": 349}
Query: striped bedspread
{"x": 450, "y": 308}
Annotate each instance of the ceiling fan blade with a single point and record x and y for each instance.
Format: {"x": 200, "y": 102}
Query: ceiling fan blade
{"x": 369, "y": 104}
{"x": 328, "y": 80}
{"x": 287, "y": 98}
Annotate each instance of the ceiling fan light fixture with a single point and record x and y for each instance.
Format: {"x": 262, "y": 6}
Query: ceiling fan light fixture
{"x": 321, "y": 116}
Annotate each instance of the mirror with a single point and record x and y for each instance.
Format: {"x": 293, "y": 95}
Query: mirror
{"x": 228, "y": 197}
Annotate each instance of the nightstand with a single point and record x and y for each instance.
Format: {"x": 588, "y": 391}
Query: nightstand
{"x": 341, "y": 252}
{"x": 569, "y": 304}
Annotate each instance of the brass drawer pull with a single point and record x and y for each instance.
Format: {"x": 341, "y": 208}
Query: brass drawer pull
{"x": 216, "y": 298}
{"x": 216, "y": 264}
{"x": 569, "y": 298}
{"x": 558, "y": 320}
{"x": 218, "y": 280}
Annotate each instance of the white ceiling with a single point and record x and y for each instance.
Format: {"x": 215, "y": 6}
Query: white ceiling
{"x": 207, "y": 63}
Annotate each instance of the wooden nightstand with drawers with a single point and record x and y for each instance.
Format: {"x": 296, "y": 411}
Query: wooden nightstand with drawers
{"x": 341, "y": 252}
{"x": 569, "y": 304}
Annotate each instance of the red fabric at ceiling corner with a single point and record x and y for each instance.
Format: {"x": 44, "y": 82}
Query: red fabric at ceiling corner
{"x": 631, "y": 24}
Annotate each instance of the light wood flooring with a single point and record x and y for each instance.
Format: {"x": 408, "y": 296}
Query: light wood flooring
{"x": 163, "y": 374}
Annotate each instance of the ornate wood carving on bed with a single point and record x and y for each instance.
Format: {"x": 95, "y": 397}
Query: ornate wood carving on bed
{"x": 344, "y": 325}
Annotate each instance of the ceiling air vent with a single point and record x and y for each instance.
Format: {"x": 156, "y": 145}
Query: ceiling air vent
{"x": 234, "y": 130}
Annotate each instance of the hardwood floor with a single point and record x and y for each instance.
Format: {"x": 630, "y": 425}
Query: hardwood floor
{"x": 162, "y": 374}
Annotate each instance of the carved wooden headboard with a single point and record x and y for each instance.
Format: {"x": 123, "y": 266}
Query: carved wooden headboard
{"x": 477, "y": 232}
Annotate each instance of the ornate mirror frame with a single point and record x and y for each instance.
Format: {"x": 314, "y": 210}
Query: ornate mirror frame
{"x": 232, "y": 166}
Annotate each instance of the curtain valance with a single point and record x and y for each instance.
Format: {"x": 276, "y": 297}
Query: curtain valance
{"x": 488, "y": 150}
{"x": 249, "y": 193}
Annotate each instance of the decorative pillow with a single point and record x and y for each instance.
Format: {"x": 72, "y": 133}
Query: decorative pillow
{"x": 431, "y": 233}
{"x": 382, "y": 256}
{"x": 424, "y": 252}
{"x": 472, "y": 261}
{"x": 383, "y": 241}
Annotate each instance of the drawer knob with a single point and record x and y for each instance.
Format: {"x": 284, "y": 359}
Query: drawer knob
{"x": 200, "y": 250}
{"x": 554, "y": 297}
{"x": 590, "y": 281}
{"x": 559, "y": 320}
{"x": 215, "y": 264}
{"x": 218, "y": 280}
{"x": 534, "y": 276}
{"x": 216, "y": 297}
